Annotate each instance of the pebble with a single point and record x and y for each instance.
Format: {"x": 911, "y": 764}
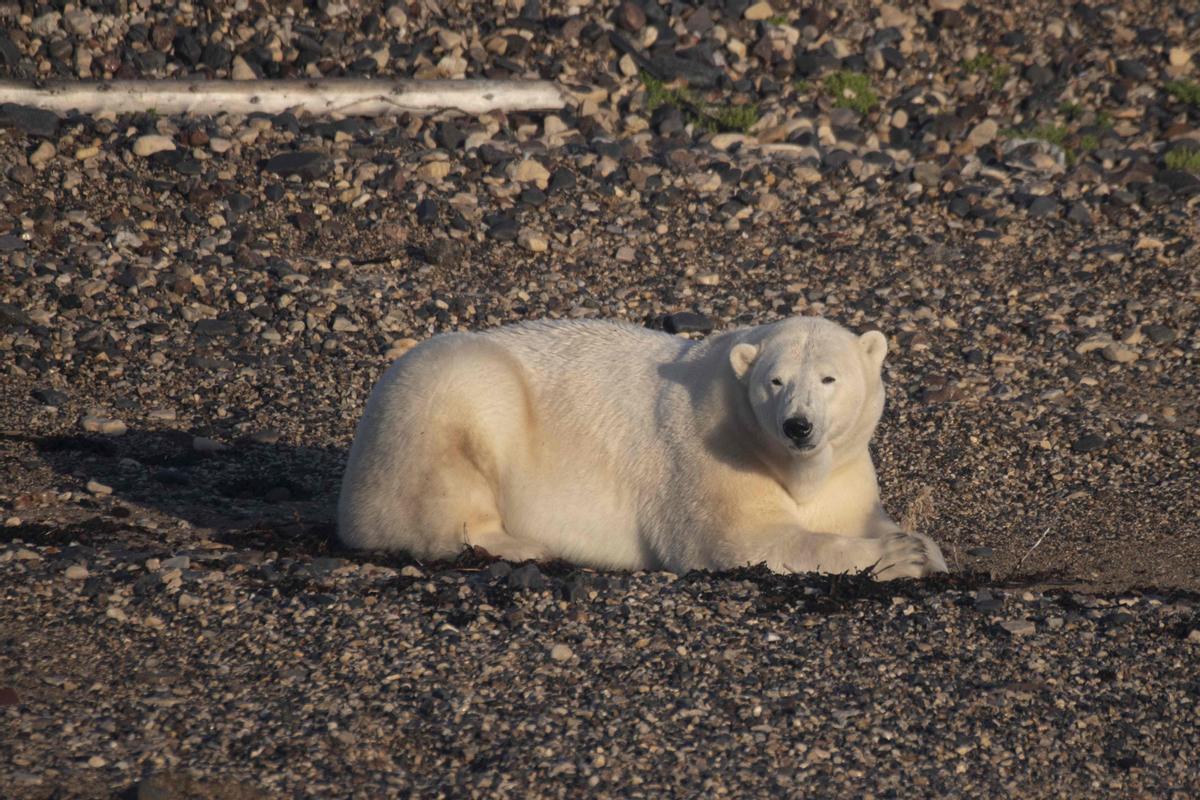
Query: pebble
{"x": 561, "y": 652}
{"x": 42, "y": 154}
{"x": 759, "y": 11}
{"x": 433, "y": 171}
{"x": 98, "y": 488}
{"x": 983, "y": 133}
{"x": 241, "y": 70}
{"x": 1119, "y": 354}
{"x": 531, "y": 171}
{"x": 104, "y": 425}
{"x": 1019, "y": 627}
{"x": 533, "y": 241}
{"x": 150, "y": 144}
{"x": 76, "y": 572}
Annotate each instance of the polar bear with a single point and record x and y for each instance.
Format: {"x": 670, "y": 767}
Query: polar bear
{"x": 613, "y": 446}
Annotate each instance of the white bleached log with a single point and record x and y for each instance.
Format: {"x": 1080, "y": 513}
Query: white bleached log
{"x": 319, "y": 97}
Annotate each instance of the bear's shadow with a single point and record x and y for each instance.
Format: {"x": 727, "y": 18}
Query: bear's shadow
{"x": 283, "y": 497}
{"x": 244, "y": 491}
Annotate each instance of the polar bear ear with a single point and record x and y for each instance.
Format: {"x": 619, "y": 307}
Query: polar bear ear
{"x": 742, "y": 357}
{"x": 875, "y": 345}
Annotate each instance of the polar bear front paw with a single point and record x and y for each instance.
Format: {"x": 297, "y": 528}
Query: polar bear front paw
{"x": 908, "y": 555}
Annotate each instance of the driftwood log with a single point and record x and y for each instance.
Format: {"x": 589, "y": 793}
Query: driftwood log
{"x": 350, "y": 96}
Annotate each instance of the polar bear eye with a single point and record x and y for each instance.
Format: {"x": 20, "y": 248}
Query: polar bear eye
{"x": 828, "y": 379}
{"x": 776, "y": 382}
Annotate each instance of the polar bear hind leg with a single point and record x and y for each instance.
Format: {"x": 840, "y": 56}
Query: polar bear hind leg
{"x": 424, "y": 478}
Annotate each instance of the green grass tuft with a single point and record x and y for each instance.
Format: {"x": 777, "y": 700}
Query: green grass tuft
{"x": 852, "y": 90}
{"x": 1000, "y": 74}
{"x": 1072, "y": 111}
{"x": 733, "y": 119}
{"x": 778, "y": 19}
{"x": 987, "y": 64}
{"x": 708, "y": 116}
{"x": 983, "y": 62}
{"x": 1054, "y": 134}
{"x": 1184, "y": 91}
{"x": 1186, "y": 159}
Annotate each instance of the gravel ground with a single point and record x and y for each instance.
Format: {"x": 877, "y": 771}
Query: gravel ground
{"x": 193, "y": 309}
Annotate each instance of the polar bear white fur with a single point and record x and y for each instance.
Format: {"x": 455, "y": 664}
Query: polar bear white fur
{"x": 610, "y": 445}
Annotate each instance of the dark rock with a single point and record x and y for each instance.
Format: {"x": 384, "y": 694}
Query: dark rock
{"x": 498, "y": 570}
{"x": 10, "y": 56}
{"x": 1043, "y": 207}
{"x": 443, "y": 252}
{"x": 239, "y": 203}
{"x": 163, "y": 34}
{"x": 1014, "y": 39}
{"x": 578, "y": 589}
{"x": 531, "y": 11}
{"x": 1089, "y": 443}
{"x": 427, "y": 211}
{"x": 948, "y": 18}
{"x": 667, "y": 120}
{"x": 1160, "y": 334}
{"x": 449, "y": 136}
{"x": 686, "y": 322}
{"x": 980, "y": 552}
{"x": 1039, "y": 75}
{"x": 188, "y": 47}
{"x": 50, "y": 397}
{"x": 309, "y": 165}
{"x": 700, "y": 21}
{"x": 502, "y": 227}
{"x": 527, "y": 577}
{"x": 1179, "y": 182}
{"x": 532, "y": 196}
{"x": 630, "y": 16}
{"x": 1132, "y": 69}
{"x": 12, "y": 317}
{"x": 694, "y": 65}
{"x": 561, "y": 178}
{"x": 11, "y": 243}
{"x": 33, "y": 121}
{"x": 217, "y": 55}
{"x": 216, "y": 327}
{"x": 1079, "y": 214}
{"x": 8, "y": 696}
{"x": 808, "y": 64}
{"x": 893, "y": 58}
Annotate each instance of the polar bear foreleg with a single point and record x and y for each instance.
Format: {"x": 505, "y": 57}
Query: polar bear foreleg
{"x": 893, "y": 555}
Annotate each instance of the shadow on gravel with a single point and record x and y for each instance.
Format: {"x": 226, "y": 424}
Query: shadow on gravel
{"x": 278, "y": 500}
{"x": 238, "y": 485}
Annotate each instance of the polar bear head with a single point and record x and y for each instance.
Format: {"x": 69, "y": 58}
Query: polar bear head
{"x": 815, "y": 388}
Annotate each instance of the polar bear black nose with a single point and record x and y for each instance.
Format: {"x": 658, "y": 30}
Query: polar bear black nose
{"x": 797, "y": 429}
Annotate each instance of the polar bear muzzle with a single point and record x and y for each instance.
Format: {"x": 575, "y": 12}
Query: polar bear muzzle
{"x": 798, "y": 430}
